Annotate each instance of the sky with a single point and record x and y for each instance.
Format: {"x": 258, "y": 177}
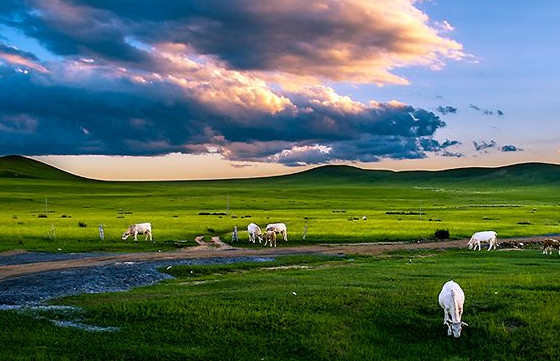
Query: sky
{"x": 192, "y": 89}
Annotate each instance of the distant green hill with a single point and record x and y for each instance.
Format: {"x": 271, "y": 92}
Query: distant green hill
{"x": 15, "y": 166}
{"x": 526, "y": 174}
{"x": 518, "y": 174}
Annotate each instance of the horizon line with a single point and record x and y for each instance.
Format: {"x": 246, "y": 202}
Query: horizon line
{"x": 311, "y": 168}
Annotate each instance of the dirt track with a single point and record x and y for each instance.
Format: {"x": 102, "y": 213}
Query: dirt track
{"x": 217, "y": 248}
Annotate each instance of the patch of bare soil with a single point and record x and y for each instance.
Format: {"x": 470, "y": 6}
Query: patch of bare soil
{"x": 217, "y": 248}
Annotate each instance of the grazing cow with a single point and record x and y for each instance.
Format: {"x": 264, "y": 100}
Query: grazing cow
{"x": 254, "y": 232}
{"x": 489, "y": 237}
{"x": 278, "y": 228}
{"x": 451, "y": 299}
{"x": 270, "y": 237}
{"x": 550, "y": 244}
{"x": 140, "y": 228}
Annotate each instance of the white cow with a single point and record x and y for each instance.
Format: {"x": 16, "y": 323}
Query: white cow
{"x": 489, "y": 237}
{"x": 139, "y": 228}
{"x": 254, "y": 232}
{"x": 278, "y": 228}
{"x": 451, "y": 299}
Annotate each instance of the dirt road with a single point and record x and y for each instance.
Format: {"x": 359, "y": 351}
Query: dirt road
{"x": 216, "y": 248}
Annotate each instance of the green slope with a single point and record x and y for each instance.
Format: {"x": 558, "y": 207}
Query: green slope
{"x": 15, "y": 166}
{"x": 526, "y": 174}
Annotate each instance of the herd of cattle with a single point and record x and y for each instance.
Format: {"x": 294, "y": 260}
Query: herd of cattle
{"x": 254, "y": 231}
{"x": 272, "y": 230}
{"x": 451, "y": 298}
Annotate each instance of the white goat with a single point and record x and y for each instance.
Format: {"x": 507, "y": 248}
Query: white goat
{"x": 451, "y": 299}
{"x": 489, "y": 237}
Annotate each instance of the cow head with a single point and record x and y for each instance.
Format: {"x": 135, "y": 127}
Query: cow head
{"x": 127, "y": 233}
{"x": 455, "y": 328}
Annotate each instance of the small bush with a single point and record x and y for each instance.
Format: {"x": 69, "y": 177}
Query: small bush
{"x": 82, "y": 225}
{"x": 211, "y": 230}
{"x": 441, "y": 234}
{"x": 42, "y": 216}
{"x": 524, "y": 223}
{"x": 212, "y": 214}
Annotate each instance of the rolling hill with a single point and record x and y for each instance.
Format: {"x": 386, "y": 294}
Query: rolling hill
{"x": 525, "y": 174}
{"x": 15, "y": 166}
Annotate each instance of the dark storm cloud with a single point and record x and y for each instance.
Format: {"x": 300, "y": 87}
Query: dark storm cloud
{"x": 122, "y": 118}
{"x": 484, "y": 145}
{"x": 511, "y": 148}
{"x": 447, "y": 109}
{"x": 150, "y": 78}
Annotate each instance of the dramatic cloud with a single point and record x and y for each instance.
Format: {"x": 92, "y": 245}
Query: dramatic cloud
{"x": 447, "y": 109}
{"x": 511, "y": 148}
{"x": 240, "y": 78}
{"x": 484, "y": 145}
{"x": 350, "y": 40}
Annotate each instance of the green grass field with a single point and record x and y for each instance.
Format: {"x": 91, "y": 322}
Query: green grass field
{"x": 361, "y": 308}
{"x": 42, "y": 207}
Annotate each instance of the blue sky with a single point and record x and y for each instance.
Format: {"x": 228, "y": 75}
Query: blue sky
{"x": 246, "y": 88}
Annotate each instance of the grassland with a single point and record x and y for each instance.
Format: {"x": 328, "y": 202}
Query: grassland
{"x": 42, "y": 208}
{"x": 361, "y": 308}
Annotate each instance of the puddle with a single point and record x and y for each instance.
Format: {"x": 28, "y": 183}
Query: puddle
{"x": 29, "y": 292}
{"x": 35, "y": 288}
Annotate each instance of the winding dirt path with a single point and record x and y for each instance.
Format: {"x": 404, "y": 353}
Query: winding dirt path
{"x": 217, "y": 248}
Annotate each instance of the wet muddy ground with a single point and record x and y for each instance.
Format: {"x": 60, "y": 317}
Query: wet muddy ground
{"x": 35, "y": 288}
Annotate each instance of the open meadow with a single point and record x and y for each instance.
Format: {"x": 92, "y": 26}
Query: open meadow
{"x": 311, "y": 308}
{"x": 296, "y": 307}
{"x": 46, "y": 209}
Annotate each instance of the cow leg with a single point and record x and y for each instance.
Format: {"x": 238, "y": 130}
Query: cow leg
{"x": 136, "y": 236}
{"x": 445, "y": 317}
{"x": 446, "y": 320}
